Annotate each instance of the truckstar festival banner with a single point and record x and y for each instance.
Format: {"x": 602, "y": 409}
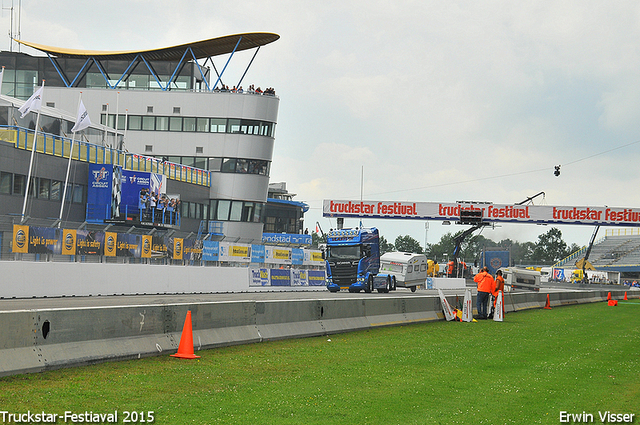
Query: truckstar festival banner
{"x": 536, "y": 214}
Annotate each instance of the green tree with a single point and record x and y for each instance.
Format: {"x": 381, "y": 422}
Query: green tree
{"x": 385, "y": 246}
{"x": 408, "y": 244}
{"x": 317, "y": 239}
{"x": 550, "y": 247}
{"x": 442, "y": 250}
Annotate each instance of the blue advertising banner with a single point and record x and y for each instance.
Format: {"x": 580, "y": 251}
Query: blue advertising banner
{"x": 257, "y": 253}
{"x": 495, "y": 259}
{"x": 210, "y": 251}
{"x": 44, "y": 240}
{"x": 89, "y": 242}
{"x": 286, "y": 238}
{"x": 280, "y": 277}
{"x": 129, "y": 245}
{"x": 316, "y": 277}
{"x": 297, "y": 256}
{"x": 100, "y": 194}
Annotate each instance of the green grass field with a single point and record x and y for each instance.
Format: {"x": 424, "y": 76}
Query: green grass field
{"x": 525, "y": 370}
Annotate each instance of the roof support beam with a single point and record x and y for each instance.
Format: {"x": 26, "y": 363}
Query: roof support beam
{"x": 228, "y": 60}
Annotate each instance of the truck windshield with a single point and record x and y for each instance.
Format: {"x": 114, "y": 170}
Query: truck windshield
{"x": 344, "y": 252}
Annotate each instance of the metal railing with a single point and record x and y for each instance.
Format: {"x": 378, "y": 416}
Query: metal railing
{"x": 60, "y": 146}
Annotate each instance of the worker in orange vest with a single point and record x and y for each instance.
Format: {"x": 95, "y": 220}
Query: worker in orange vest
{"x": 486, "y": 286}
{"x": 499, "y": 287}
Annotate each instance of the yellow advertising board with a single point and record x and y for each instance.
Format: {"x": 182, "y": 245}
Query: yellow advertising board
{"x": 110, "y": 241}
{"x": 178, "y": 245}
{"x": 69, "y": 242}
{"x": 146, "y": 246}
{"x": 239, "y": 251}
{"x": 20, "y": 239}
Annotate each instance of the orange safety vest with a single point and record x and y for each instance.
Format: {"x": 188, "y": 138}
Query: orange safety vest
{"x": 499, "y": 286}
{"x": 485, "y": 282}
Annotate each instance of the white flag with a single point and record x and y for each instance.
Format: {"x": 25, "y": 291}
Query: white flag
{"x": 83, "y": 120}
{"x": 33, "y": 104}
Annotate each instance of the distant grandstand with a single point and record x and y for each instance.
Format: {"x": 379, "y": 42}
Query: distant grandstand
{"x": 618, "y": 251}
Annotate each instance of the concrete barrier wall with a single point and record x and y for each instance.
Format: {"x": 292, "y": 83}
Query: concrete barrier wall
{"x": 45, "y": 279}
{"x": 37, "y": 340}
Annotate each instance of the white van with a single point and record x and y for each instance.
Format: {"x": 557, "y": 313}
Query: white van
{"x": 409, "y": 270}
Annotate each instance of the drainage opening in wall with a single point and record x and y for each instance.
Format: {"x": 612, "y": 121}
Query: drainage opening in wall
{"x": 321, "y": 311}
{"x": 46, "y": 326}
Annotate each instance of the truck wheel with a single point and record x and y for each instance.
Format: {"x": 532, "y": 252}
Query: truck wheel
{"x": 369, "y": 288}
{"x": 393, "y": 283}
{"x": 387, "y": 287}
{"x": 413, "y": 289}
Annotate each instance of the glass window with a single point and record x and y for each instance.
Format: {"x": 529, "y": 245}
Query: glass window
{"x": 148, "y": 123}
{"x": 162, "y": 123}
{"x": 223, "y": 210}
{"x": 192, "y": 209}
{"x": 212, "y": 209}
{"x": 78, "y": 194}
{"x": 205, "y": 212}
{"x": 44, "y": 186}
{"x": 200, "y": 163}
{"x": 135, "y": 122}
{"x": 242, "y": 166}
{"x": 5, "y": 182}
{"x": 185, "y": 209}
{"x": 236, "y": 211}
{"x": 175, "y": 124}
{"x": 228, "y": 165}
{"x": 257, "y": 214}
{"x": 188, "y": 161}
{"x": 121, "y": 121}
{"x": 189, "y": 124}
{"x": 215, "y": 164}
{"x": 56, "y": 187}
{"x": 234, "y": 126}
{"x": 247, "y": 212}
{"x": 218, "y": 125}
{"x": 202, "y": 125}
{"x": 19, "y": 182}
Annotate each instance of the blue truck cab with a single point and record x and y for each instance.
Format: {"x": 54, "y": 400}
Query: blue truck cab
{"x": 353, "y": 261}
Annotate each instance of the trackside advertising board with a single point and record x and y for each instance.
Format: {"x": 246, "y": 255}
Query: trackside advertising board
{"x": 534, "y": 214}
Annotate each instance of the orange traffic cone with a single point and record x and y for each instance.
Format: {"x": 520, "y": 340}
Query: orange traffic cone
{"x": 613, "y": 303}
{"x": 608, "y": 296}
{"x": 625, "y": 296}
{"x": 185, "y": 349}
{"x": 548, "y": 304}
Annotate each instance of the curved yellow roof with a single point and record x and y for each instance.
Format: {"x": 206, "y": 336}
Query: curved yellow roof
{"x": 201, "y": 49}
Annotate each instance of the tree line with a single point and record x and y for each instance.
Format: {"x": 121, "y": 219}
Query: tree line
{"x": 547, "y": 250}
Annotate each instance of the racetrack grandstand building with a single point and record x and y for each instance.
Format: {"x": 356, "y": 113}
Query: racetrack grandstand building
{"x": 168, "y": 105}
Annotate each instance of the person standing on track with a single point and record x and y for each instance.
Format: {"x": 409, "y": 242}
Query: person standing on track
{"x": 499, "y": 287}
{"x": 486, "y": 285}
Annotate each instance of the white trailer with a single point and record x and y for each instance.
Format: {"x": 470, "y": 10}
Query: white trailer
{"x": 408, "y": 269}
{"x": 515, "y": 277}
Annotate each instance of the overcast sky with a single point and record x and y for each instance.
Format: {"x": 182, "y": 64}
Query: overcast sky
{"x": 439, "y": 101}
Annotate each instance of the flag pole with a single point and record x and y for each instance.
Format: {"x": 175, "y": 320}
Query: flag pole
{"x": 66, "y": 180}
{"x": 33, "y": 149}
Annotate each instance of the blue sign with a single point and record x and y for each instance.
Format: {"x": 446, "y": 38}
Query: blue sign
{"x": 316, "y": 277}
{"x": 286, "y": 238}
{"x": 280, "y": 277}
{"x": 210, "y": 251}
{"x": 297, "y": 256}
{"x": 495, "y": 259}
{"x": 101, "y": 195}
{"x": 257, "y": 253}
